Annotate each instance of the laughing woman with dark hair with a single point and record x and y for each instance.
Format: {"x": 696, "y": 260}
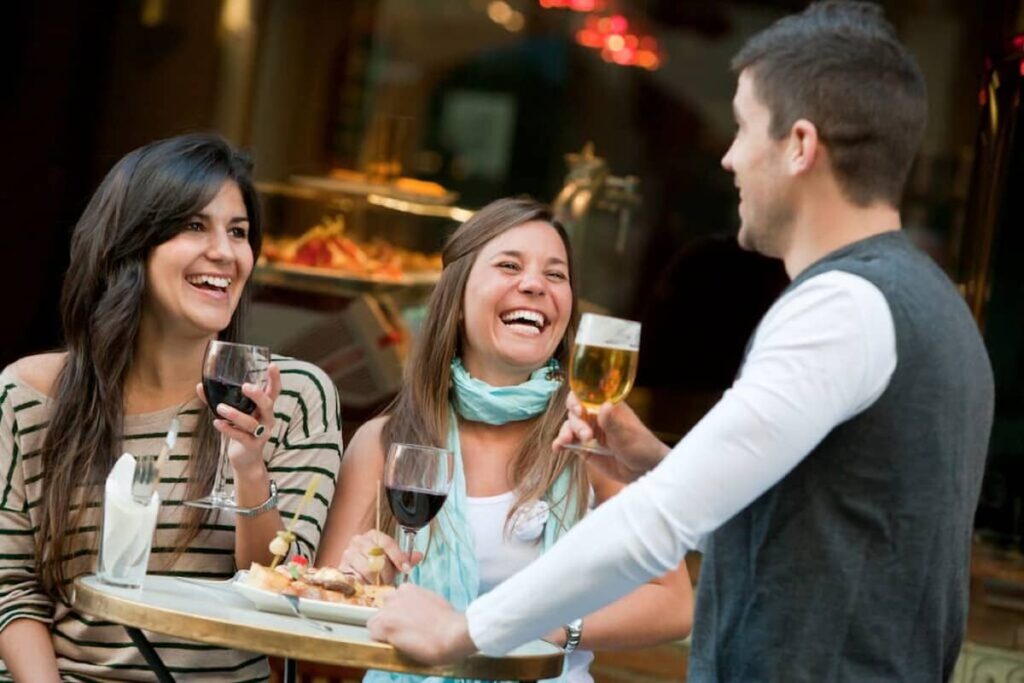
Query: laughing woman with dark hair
{"x": 160, "y": 261}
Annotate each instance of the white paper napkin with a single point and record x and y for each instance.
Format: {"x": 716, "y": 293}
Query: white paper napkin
{"x": 127, "y": 525}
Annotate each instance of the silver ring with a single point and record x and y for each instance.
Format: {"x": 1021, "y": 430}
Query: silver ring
{"x": 259, "y": 431}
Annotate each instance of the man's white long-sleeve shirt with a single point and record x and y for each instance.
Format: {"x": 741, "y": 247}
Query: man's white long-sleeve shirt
{"x": 823, "y": 353}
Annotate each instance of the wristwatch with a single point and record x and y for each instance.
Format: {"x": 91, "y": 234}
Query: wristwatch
{"x": 269, "y": 504}
{"x": 573, "y": 635}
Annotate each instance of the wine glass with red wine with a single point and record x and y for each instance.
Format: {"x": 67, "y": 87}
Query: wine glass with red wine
{"x": 416, "y": 481}
{"x": 226, "y": 367}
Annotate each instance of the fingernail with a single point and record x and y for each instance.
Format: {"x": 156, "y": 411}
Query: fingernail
{"x": 406, "y": 568}
{"x": 222, "y": 409}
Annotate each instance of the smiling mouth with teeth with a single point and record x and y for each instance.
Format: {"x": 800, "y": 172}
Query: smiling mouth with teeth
{"x": 525, "y": 319}
{"x": 210, "y": 282}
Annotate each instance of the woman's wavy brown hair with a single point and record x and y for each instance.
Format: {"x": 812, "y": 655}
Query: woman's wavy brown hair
{"x": 144, "y": 201}
{"x": 420, "y": 412}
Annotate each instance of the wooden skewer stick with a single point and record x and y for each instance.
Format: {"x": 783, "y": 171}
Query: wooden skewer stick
{"x": 287, "y": 534}
{"x": 377, "y": 525}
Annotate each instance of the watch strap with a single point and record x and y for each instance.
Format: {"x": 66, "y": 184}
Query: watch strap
{"x": 269, "y": 504}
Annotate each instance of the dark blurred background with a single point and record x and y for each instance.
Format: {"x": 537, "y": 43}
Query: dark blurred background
{"x": 493, "y": 94}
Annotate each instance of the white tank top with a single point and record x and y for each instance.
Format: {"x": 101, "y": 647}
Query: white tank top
{"x": 500, "y": 555}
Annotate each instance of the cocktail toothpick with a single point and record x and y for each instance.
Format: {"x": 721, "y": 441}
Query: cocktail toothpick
{"x": 375, "y": 556}
{"x": 282, "y": 542}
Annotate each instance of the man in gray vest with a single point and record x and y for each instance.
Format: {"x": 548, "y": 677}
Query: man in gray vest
{"x": 833, "y": 487}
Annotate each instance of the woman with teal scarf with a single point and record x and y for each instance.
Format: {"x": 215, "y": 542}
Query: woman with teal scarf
{"x": 485, "y": 380}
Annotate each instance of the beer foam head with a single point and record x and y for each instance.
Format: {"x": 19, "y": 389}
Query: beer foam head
{"x": 603, "y": 330}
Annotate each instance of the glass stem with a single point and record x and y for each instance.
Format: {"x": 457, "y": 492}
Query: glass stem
{"x": 221, "y": 491}
{"x": 591, "y": 419}
{"x": 408, "y": 544}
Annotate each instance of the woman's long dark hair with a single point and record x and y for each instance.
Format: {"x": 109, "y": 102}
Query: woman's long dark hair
{"x": 143, "y": 202}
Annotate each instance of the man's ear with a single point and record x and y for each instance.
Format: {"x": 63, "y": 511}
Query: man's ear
{"x": 804, "y": 148}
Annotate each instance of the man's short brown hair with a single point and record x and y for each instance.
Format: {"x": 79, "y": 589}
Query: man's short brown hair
{"x": 839, "y": 65}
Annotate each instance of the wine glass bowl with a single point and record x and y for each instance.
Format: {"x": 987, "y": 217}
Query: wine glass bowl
{"x": 416, "y": 482}
{"x": 226, "y": 367}
{"x": 603, "y": 367}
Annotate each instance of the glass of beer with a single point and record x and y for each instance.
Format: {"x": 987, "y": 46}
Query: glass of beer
{"x": 603, "y": 367}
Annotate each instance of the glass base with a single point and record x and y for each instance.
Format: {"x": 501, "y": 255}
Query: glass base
{"x": 133, "y": 583}
{"x": 213, "y": 503}
{"x": 591, "y": 447}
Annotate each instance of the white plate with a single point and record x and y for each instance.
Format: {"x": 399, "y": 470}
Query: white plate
{"x": 268, "y": 601}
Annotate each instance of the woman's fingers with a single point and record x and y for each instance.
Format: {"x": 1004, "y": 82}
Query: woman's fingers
{"x": 354, "y": 562}
{"x": 255, "y": 428}
{"x": 273, "y": 382}
{"x": 572, "y": 404}
{"x": 356, "y": 558}
{"x": 575, "y": 428}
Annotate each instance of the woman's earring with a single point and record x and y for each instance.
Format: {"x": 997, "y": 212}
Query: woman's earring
{"x": 555, "y": 373}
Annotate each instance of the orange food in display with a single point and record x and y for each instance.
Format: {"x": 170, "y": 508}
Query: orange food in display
{"x": 326, "y": 246}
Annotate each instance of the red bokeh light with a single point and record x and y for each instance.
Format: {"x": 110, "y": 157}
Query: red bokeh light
{"x": 574, "y": 5}
{"x": 624, "y": 57}
{"x": 589, "y": 38}
{"x": 615, "y": 42}
{"x": 610, "y": 35}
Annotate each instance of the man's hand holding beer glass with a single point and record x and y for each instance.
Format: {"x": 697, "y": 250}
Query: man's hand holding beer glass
{"x": 634, "y": 449}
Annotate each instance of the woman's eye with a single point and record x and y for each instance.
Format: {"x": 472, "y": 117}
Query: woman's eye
{"x": 195, "y": 226}
{"x": 240, "y": 233}
{"x": 558, "y": 276}
{"x": 509, "y": 266}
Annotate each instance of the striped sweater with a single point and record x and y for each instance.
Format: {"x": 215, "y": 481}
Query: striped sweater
{"x": 306, "y": 440}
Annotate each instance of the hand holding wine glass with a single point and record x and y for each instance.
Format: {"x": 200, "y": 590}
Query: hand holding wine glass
{"x": 244, "y": 411}
{"x": 602, "y": 369}
{"x": 416, "y": 480}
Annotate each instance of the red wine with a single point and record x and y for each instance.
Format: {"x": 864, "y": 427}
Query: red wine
{"x": 414, "y": 508}
{"x": 218, "y": 391}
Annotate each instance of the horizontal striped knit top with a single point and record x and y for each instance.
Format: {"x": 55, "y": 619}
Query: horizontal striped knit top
{"x": 306, "y": 439}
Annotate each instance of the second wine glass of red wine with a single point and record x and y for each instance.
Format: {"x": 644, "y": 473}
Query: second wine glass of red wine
{"x": 416, "y": 480}
{"x": 226, "y": 367}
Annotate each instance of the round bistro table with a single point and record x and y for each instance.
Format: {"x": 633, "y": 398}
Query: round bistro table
{"x": 213, "y": 612}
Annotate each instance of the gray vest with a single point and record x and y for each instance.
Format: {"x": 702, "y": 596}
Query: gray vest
{"x": 855, "y": 566}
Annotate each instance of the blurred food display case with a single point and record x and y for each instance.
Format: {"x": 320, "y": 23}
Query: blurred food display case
{"x": 346, "y": 269}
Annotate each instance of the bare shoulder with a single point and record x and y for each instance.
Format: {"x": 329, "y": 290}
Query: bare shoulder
{"x": 40, "y": 371}
{"x": 365, "y": 443}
